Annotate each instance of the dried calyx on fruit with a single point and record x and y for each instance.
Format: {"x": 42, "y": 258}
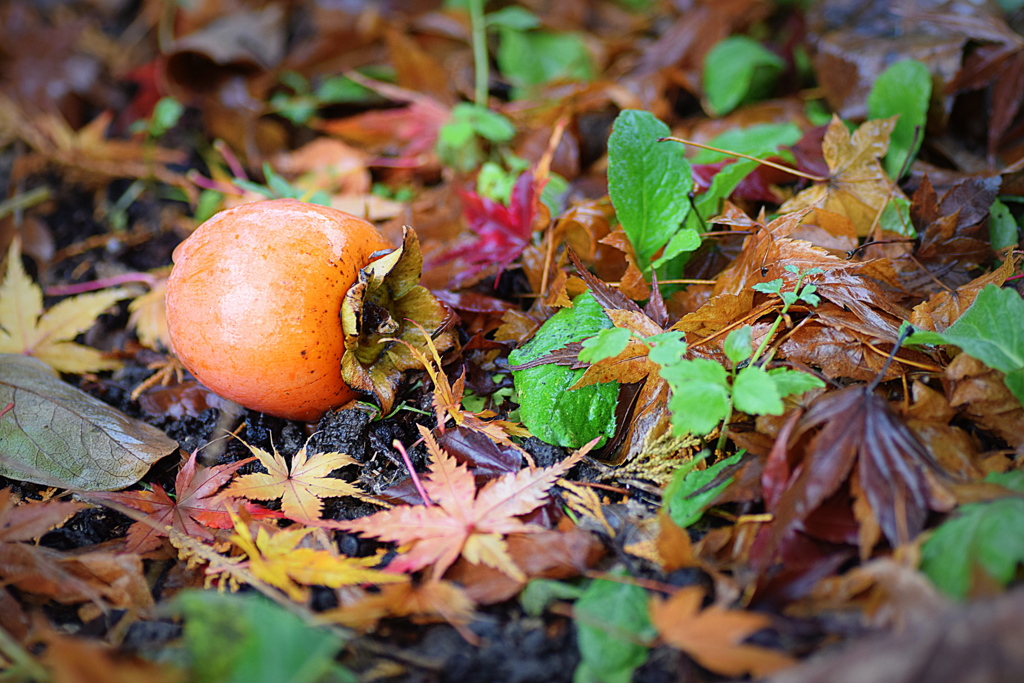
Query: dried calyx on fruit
{"x": 254, "y": 307}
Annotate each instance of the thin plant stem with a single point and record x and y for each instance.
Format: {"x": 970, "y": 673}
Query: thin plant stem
{"x": 24, "y": 201}
{"x": 412, "y": 472}
{"x": 765, "y": 162}
{"x": 478, "y": 28}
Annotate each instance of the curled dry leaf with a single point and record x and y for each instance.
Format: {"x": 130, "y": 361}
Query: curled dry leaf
{"x": 382, "y": 315}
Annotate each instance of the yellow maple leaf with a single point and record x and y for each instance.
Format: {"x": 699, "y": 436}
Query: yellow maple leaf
{"x": 301, "y": 486}
{"x": 857, "y": 186}
{"x": 277, "y": 559}
{"x": 714, "y": 636}
{"x": 26, "y": 328}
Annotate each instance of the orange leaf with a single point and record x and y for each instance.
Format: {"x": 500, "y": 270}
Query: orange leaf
{"x": 713, "y": 637}
{"x": 462, "y": 520}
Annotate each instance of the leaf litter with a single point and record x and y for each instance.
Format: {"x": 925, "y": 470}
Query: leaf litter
{"x": 669, "y": 408}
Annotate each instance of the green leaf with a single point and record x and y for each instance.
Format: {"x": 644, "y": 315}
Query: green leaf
{"x": 990, "y": 330}
{"x": 610, "y": 618}
{"x": 789, "y": 382}
{"x": 982, "y": 537}
{"x": 738, "y": 70}
{"x": 738, "y": 346}
{"x": 770, "y": 287}
{"x": 667, "y": 348}
{"x": 551, "y": 412}
{"x": 754, "y": 392}
{"x": 1003, "y": 229}
{"x": 905, "y": 89}
{"x": 700, "y": 395}
{"x": 246, "y": 638}
{"x": 896, "y": 217}
{"x": 540, "y": 593}
{"x": 513, "y": 17}
{"x": 532, "y": 58}
{"x": 648, "y": 182}
{"x": 59, "y": 436}
{"x": 685, "y": 505}
{"x": 605, "y": 344}
{"x": 683, "y": 241}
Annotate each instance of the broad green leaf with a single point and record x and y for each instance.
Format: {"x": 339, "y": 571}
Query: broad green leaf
{"x": 685, "y": 504}
{"x": 738, "y": 70}
{"x": 610, "y": 618}
{"x": 981, "y": 537}
{"x": 990, "y": 330}
{"x": 905, "y": 89}
{"x": 648, "y": 182}
{"x": 738, "y": 346}
{"x": 789, "y": 382}
{"x": 488, "y": 124}
{"x": 246, "y": 638}
{"x": 531, "y": 58}
{"x": 59, "y": 436}
{"x": 551, "y": 412}
{"x": 754, "y": 392}
{"x": 1003, "y": 229}
{"x": 605, "y": 344}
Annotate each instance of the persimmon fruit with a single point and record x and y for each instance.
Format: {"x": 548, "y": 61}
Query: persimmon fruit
{"x": 253, "y": 303}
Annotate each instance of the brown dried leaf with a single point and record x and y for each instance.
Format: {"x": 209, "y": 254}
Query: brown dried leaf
{"x": 858, "y": 186}
{"x": 899, "y": 477}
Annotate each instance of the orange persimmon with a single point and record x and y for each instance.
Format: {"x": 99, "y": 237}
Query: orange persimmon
{"x": 253, "y": 303}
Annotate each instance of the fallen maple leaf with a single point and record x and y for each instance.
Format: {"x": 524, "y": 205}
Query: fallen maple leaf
{"x": 501, "y": 232}
{"x": 48, "y": 335}
{"x": 300, "y": 486}
{"x": 857, "y": 186}
{"x": 459, "y": 519}
{"x": 277, "y": 559}
{"x": 197, "y": 507}
{"x": 714, "y": 637}
{"x": 900, "y": 479}
{"x": 107, "y": 579}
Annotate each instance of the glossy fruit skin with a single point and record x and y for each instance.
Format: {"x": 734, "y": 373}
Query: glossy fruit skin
{"x": 253, "y": 303}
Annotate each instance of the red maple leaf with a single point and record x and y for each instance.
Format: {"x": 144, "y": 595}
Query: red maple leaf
{"x": 196, "y": 508}
{"x": 501, "y": 233}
